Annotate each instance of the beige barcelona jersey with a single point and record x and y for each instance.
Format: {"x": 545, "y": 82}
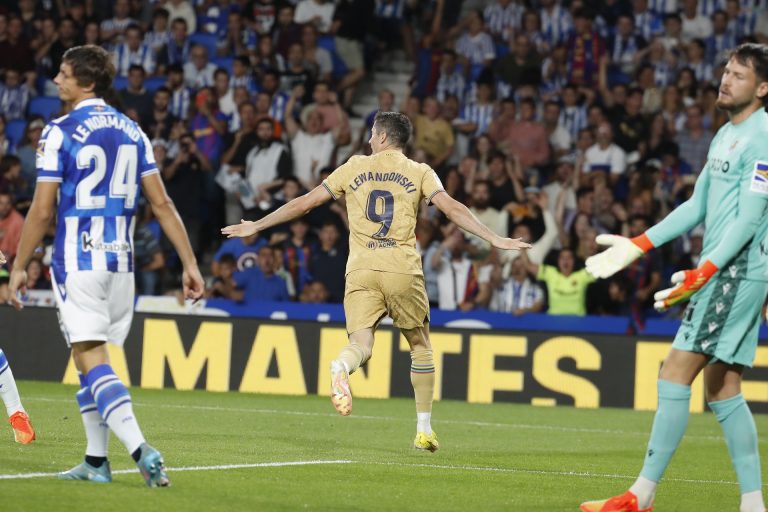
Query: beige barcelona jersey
{"x": 383, "y": 193}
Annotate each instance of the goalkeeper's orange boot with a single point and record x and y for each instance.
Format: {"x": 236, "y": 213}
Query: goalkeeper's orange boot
{"x": 22, "y": 428}
{"x": 627, "y": 502}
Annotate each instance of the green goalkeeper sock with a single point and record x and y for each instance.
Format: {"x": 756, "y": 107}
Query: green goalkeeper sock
{"x": 668, "y": 428}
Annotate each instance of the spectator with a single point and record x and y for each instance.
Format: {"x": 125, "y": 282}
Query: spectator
{"x": 298, "y": 72}
{"x": 605, "y": 156}
{"x": 559, "y": 138}
{"x": 266, "y": 57}
{"x": 644, "y": 274}
{"x": 327, "y": 264}
{"x": 312, "y": 148}
{"x": 158, "y": 36}
{"x": 238, "y": 39}
{"x": 260, "y": 283}
{"x": 176, "y": 51}
{"x": 242, "y": 75}
{"x": 428, "y": 243}
{"x": 27, "y": 151}
{"x": 586, "y": 51}
{"x": 224, "y": 94}
{"x": 286, "y": 32}
{"x": 432, "y": 134}
{"x": 624, "y": 49}
{"x": 11, "y": 180}
{"x": 297, "y": 253}
{"x": 475, "y": 47}
{"x": 182, "y": 9}
{"x": 319, "y": 58}
{"x": 566, "y": 287}
{"x": 521, "y": 65}
{"x": 495, "y": 219}
{"x": 36, "y": 278}
{"x": 695, "y": 25}
{"x": 133, "y": 52}
{"x": 183, "y": 178}
{"x": 51, "y": 62}
{"x": 462, "y": 284}
{"x": 517, "y": 294}
{"x": 526, "y": 139}
{"x": 148, "y": 260}
{"x": 199, "y": 71}
{"x": 266, "y": 164}
{"x": 208, "y": 126}
{"x": 314, "y": 293}
{"x": 451, "y": 80}
{"x": 503, "y": 18}
{"x": 137, "y": 101}
{"x": 351, "y": 25}
{"x": 477, "y": 114}
{"x": 326, "y": 102}
{"x": 11, "y": 223}
{"x": 694, "y": 140}
{"x": 180, "y": 93}
{"x": 224, "y": 285}
{"x": 556, "y": 22}
{"x": 262, "y": 13}
{"x": 317, "y": 12}
{"x": 161, "y": 120}
{"x": 113, "y": 29}
{"x": 14, "y": 95}
{"x": 243, "y": 250}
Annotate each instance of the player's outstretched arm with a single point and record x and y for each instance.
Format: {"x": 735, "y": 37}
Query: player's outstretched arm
{"x": 465, "y": 219}
{"x": 291, "y": 210}
{"x": 173, "y": 227}
{"x": 38, "y": 219}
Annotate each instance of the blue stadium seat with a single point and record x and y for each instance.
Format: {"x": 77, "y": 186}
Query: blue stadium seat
{"x": 224, "y": 62}
{"x": 14, "y": 130}
{"x": 501, "y": 49}
{"x": 120, "y": 83}
{"x": 153, "y": 83}
{"x": 45, "y": 106}
{"x": 207, "y": 40}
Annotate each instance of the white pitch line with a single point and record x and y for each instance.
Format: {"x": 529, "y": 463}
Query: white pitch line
{"x": 22, "y": 476}
{"x": 540, "y": 472}
{"x": 525, "y": 426}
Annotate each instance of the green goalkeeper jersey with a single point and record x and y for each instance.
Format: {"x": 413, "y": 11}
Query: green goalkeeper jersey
{"x": 731, "y": 198}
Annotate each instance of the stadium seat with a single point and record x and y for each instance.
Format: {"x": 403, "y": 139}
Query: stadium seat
{"x": 224, "y": 62}
{"x": 501, "y": 50}
{"x": 120, "y": 83}
{"x": 14, "y": 131}
{"x": 208, "y": 40}
{"x": 153, "y": 83}
{"x": 45, "y": 106}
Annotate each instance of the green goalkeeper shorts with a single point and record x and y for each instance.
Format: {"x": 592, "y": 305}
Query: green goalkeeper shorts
{"x": 723, "y": 319}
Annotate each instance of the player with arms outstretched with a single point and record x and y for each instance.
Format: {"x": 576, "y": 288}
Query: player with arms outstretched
{"x": 384, "y": 274}
{"x": 727, "y": 291}
{"x": 94, "y": 160}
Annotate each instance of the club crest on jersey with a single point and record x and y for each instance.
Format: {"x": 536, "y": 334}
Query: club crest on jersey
{"x": 760, "y": 178}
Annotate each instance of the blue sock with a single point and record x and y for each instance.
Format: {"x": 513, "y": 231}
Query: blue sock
{"x": 668, "y": 428}
{"x": 741, "y": 436}
{"x": 96, "y": 430}
{"x": 114, "y": 405}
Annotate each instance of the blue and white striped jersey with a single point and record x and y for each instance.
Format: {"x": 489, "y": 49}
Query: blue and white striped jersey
{"x": 99, "y": 157}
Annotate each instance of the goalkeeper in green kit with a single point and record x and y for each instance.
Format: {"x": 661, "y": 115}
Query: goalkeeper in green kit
{"x": 720, "y": 326}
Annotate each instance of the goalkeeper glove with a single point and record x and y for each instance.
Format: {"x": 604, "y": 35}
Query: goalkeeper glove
{"x": 688, "y": 282}
{"x": 620, "y": 254}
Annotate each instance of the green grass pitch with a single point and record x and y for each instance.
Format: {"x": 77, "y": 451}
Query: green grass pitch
{"x": 492, "y": 457}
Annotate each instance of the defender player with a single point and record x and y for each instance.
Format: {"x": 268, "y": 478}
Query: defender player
{"x": 384, "y": 274}
{"x": 720, "y": 326}
{"x": 94, "y": 159}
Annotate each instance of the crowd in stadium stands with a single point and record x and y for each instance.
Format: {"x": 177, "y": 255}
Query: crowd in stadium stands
{"x": 554, "y": 121}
